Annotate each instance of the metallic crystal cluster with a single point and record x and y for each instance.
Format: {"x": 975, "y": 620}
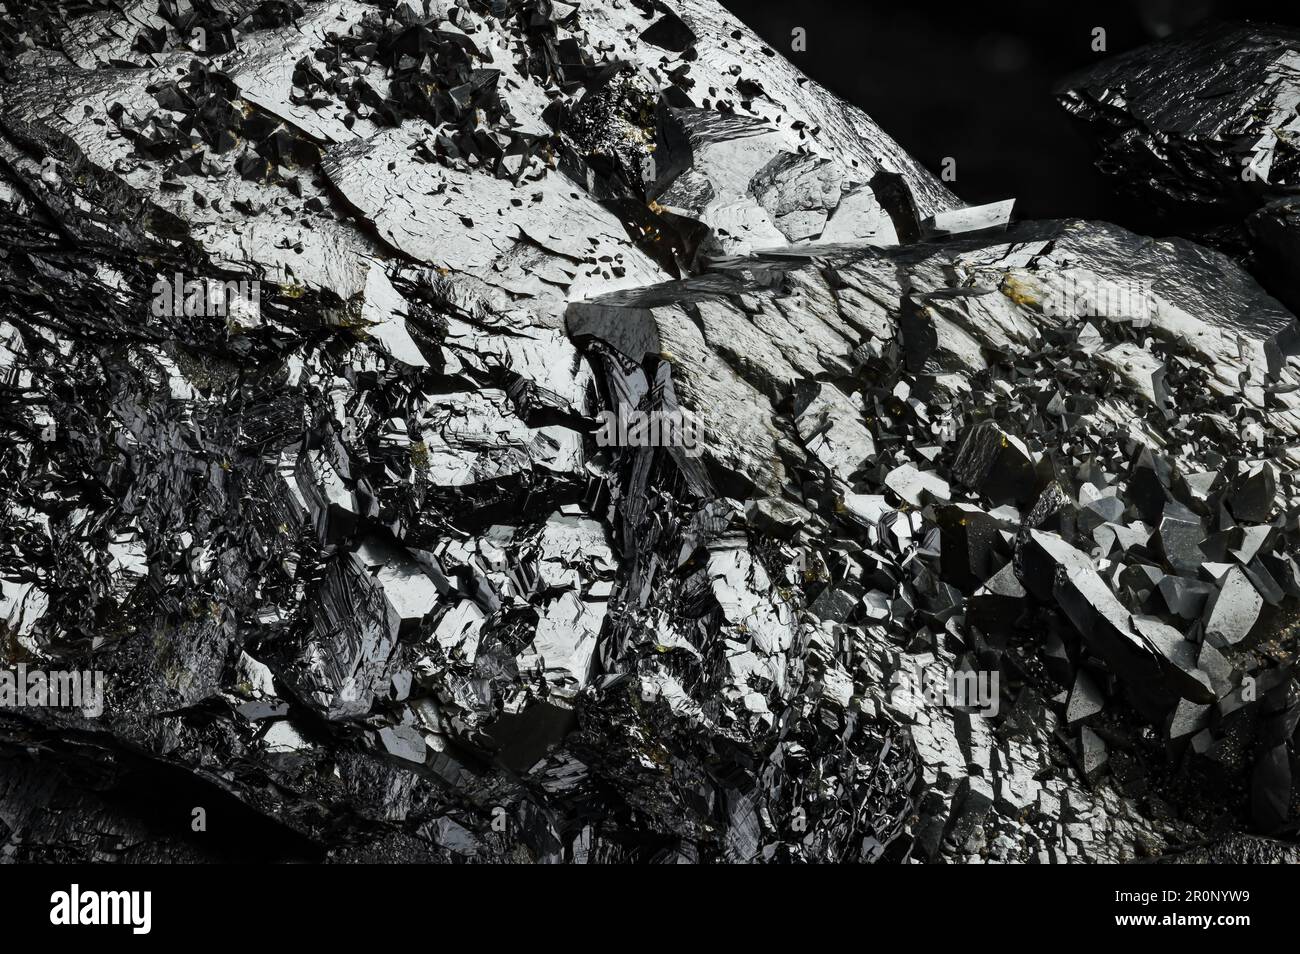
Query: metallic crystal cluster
{"x": 314, "y": 318}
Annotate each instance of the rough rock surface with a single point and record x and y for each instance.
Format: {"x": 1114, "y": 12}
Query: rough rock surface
{"x": 1204, "y": 126}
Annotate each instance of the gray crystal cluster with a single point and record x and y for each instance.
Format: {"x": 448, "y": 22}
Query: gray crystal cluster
{"x": 563, "y": 432}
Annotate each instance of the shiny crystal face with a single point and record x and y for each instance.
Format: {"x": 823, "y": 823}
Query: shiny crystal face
{"x": 532, "y": 431}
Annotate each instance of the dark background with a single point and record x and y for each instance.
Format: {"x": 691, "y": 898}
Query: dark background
{"x": 975, "y": 81}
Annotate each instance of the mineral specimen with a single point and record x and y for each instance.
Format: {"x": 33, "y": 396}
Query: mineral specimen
{"x": 919, "y": 535}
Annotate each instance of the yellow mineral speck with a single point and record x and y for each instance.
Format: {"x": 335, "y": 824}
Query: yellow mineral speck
{"x": 1018, "y": 291}
{"x": 420, "y": 456}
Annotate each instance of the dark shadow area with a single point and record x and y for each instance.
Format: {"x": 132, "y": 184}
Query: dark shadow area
{"x": 975, "y": 82}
